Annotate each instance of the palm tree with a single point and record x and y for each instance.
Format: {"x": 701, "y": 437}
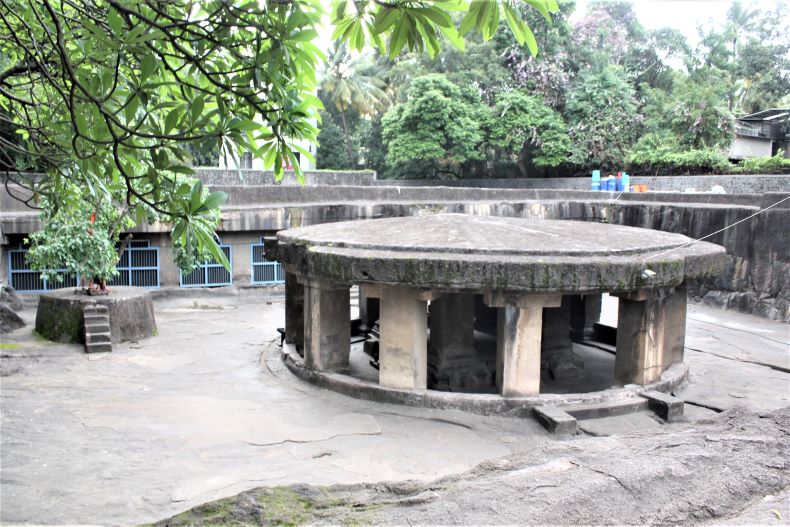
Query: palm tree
{"x": 353, "y": 83}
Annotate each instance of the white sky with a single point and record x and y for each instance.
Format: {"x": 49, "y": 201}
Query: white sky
{"x": 683, "y": 15}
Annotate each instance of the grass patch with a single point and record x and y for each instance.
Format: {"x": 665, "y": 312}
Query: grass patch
{"x": 283, "y": 506}
{"x": 10, "y": 345}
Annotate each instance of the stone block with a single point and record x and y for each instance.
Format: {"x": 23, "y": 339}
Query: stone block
{"x": 98, "y": 347}
{"x": 556, "y": 420}
{"x": 667, "y": 407}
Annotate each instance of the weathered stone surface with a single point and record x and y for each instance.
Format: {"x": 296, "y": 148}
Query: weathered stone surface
{"x": 9, "y": 321}
{"x": 715, "y": 470}
{"x": 481, "y": 253}
{"x": 9, "y": 297}
{"x": 59, "y": 315}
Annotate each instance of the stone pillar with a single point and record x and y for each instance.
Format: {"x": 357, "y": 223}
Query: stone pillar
{"x": 453, "y": 363}
{"x": 585, "y": 312}
{"x": 327, "y": 330}
{"x": 557, "y": 357}
{"x": 403, "y": 361}
{"x": 675, "y": 326}
{"x": 294, "y": 312}
{"x": 368, "y": 310}
{"x": 485, "y": 316}
{"x": 649, "y": 336}
{"x": 519, "y": 329}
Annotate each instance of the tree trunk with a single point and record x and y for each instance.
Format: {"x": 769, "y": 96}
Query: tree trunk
{"x": 347, "y": 138}
{"x": 521, "y": 164}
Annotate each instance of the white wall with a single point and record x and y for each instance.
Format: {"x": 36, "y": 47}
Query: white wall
{"x": 748, "y": 147}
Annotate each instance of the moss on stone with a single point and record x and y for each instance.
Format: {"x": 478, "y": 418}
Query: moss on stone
{"x": 283, "y": 506}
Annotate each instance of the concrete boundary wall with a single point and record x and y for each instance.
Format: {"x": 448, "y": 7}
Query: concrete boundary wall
{"x": 757, "y": 279}
{"x": 221, "y": 176}
{"x": 733, "y": 184}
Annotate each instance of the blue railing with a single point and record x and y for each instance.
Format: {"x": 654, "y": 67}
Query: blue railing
{"x": 264, "y": 271}
{"x": 210, "y": 273}
{"x": 26, "y": 280}
{"x": 139, "y": 265}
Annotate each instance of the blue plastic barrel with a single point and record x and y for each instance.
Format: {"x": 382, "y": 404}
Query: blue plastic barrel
{"x": 596, "y": 180}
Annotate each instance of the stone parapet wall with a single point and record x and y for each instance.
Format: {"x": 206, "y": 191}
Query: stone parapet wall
{"x": 757, "y": 279}
{"x": 221, "y": 176}
{"x": 741, "y": 184}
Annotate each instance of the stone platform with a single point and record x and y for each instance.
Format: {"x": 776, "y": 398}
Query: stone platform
{"x": 522, "y": 268}
{"x": 59, "y": 316}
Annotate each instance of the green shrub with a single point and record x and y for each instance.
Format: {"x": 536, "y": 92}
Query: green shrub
{"x": 777, "y": 164}
{"x": 663, "y": 161}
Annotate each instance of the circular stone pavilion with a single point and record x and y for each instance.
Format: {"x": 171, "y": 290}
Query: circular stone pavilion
{"x": 460, "y": 263}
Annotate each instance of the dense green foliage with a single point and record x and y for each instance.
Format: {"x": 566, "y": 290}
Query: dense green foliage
{"x": 437, "y": 124}
{"x": 114, "y": 100}
{"x": 523, "y": 126}
{"x": 607, "y": 93}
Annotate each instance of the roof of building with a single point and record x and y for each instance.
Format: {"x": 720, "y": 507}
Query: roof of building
{"x": 771, "y": 115}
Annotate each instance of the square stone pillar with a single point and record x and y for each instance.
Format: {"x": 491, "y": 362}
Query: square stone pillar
{"x": 651, "y": 330}
{"x": 294, "y": 312}
{"x": 403, "y": 360}
{"x": 519, "y": 328}
{"x": 557, "y": 356}
{"x": 675, "y": 326}
{"x": 327, "y": 330}
{"x": 453, "y": 363}
{"x": 368, "y": 310}
{"x": 585, "y": 312}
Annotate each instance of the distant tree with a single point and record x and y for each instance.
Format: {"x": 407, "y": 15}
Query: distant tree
{"x": 698, "y": 114}
{"x": 353, "y": 84}
{"x": 439, "y": 123}
{"x": 526, "y": 129}
{"x": 332, "y": 150}
{"x": 603, "y": 114}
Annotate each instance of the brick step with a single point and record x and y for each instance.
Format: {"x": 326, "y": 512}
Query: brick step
{"x": 95, "y": 338}
{"x": 98, "y": 347}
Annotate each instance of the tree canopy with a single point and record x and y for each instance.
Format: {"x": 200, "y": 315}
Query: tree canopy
{"x": 618, "y": 90}
{"x": 108, "y": 99}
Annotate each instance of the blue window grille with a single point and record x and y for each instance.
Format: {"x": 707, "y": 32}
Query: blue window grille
{"x": 139, "y": 265}
{"x": 263, "y": 270}
{"x": 26, "y": 280}
{"x": 210, "y": 273}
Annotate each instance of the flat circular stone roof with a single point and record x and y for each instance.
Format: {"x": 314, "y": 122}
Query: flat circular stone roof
{"x": 461, "y": 251}
{"x": 464, "y": 234}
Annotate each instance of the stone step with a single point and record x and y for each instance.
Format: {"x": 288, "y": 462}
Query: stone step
{"x": 667, "y": 407}
{"x": 93, "y": 338}
{"x": 607, "y": 408}
{"x": 96, "y": 319}
{"x": 100, "y": 327}
{"x": 98, "y": 347}
{"x": 556, "y": 420}
{"x": 95, "y": 309}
